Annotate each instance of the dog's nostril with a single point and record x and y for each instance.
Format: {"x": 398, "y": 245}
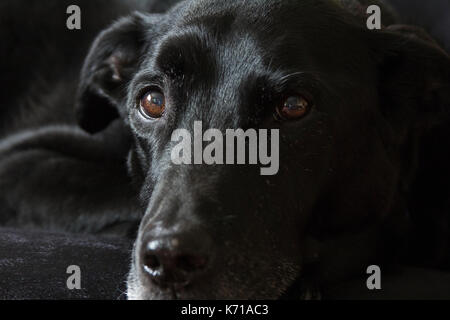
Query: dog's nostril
{"x": 169, "y": 268}
{"x": 176, "y": 261}
{"x": 152, "y": 262}
{"x": 190, "y": 263}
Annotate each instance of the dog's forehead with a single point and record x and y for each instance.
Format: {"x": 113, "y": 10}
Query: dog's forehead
{"x": 242, "y": 25}
{"x": 273, "y": 25}
{"x": 265, "y": 9}
{"x": 256, "y": 13}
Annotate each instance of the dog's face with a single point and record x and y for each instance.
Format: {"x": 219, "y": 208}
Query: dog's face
{"x": 343, "y": 98}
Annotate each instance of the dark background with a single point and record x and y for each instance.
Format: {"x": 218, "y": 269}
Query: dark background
{"x": 434, "y": 15}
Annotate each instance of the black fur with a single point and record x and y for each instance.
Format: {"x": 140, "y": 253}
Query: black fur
{"x": 360, "y": 182}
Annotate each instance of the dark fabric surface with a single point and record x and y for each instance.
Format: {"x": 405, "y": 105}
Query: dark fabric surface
{"x": 33, "y": 265}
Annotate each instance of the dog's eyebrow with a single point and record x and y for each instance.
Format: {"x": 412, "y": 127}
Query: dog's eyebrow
{"x": 294, "y": 75}
{"x": 147, "y": 76}
{"x": 282, "y": 80}
{"x": 185, "y": 52}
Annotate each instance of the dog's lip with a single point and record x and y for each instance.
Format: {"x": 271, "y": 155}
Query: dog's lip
{"x": 176, "y": 291}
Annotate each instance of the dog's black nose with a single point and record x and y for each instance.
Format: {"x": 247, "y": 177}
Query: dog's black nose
{"x": 175, "y": 261}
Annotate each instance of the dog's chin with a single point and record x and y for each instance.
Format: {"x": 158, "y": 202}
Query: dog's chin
{"x": 207, "y": 293}
{"x": 224, "y": 286}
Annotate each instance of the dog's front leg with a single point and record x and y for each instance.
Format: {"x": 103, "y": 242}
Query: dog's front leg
{"x": 62, "y": 178}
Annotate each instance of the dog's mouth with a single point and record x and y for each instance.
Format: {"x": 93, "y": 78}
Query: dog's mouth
{"x": 180, "y": 291}
{"x": 174, "y": 293}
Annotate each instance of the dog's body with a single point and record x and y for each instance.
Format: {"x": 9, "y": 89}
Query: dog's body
{"x": 355, "y": 173}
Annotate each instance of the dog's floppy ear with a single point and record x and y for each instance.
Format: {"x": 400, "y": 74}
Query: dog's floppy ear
{"x": 109, "y": 67}
{"x": 414, "y": 78}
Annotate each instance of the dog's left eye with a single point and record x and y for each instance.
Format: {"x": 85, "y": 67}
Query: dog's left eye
{"x": 152, "y": 104}
{"x": 293, "y": 107}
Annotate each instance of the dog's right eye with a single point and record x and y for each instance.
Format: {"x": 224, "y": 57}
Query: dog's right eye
{"x": 152, "y": 104}
{"x": 293, "y": 107}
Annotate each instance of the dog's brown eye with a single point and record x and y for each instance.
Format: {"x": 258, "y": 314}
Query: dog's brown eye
{"x": 153, "y": 104}
{"x": 294, "y": 107}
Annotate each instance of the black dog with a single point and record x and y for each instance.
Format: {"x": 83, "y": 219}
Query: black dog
{"x": 358, "y": 113}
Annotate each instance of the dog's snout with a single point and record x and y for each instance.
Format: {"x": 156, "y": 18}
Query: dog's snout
{"x": 175, "y": 261}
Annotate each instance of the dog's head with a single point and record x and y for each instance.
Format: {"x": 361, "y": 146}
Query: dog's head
{"x": 346, "y": 101}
